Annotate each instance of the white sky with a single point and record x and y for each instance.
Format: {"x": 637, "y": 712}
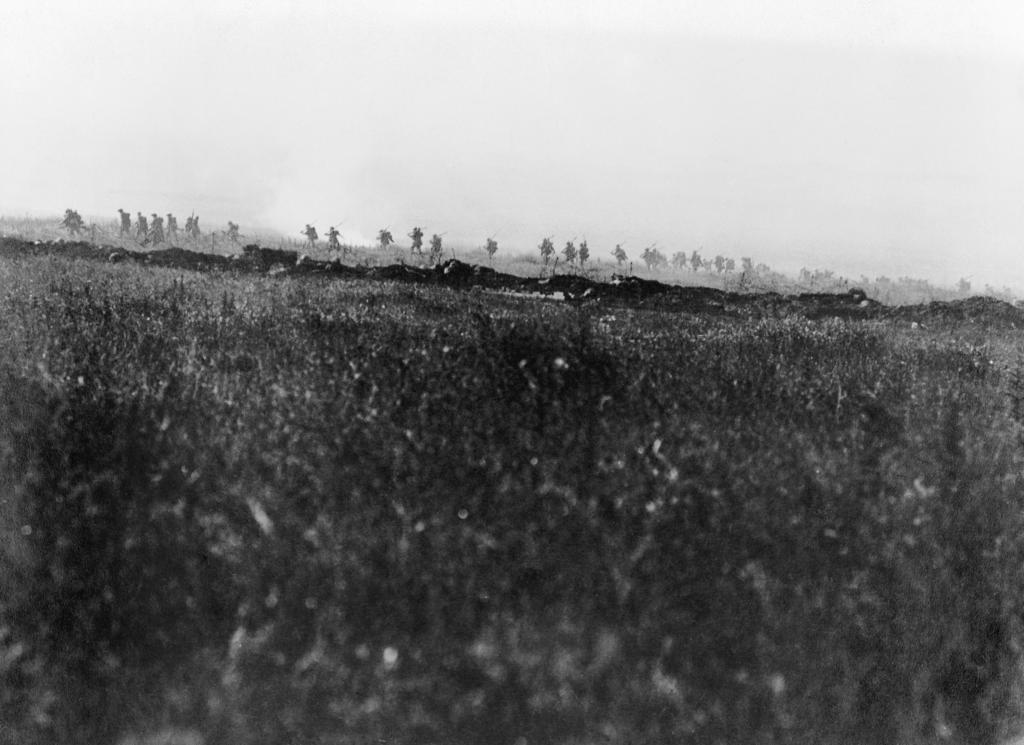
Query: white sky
{"x": 866, "y": 137}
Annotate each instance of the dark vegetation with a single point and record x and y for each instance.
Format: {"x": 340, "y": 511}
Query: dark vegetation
{"x": 295, "y": 510}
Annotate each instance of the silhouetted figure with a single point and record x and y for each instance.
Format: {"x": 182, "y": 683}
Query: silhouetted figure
{"x": 126, "y": 223}
{"x": 156, "y": 230}
{"x": 333, "y": 244}
{"x": 232, "y": 232}
{"x": 141, "y": 228}
{"x": 72, "y": 222}
{"x": 436, "y": 251}
{"x": 311, "y": 235}
{"x": 172, "y": 227}
{"x": 417, "y": 241}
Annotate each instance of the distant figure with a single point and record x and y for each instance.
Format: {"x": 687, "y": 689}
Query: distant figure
{"x": 417, "y": 241}
{"x": 333, "y": 244}
{"x": 72, "y": 222}
{"x": 141, "y": 229}
{"x": 436, "y": 252}
{"x": 172, "y": 228}
{"x": 156, "y": 231}
{"x": 311, "y": 236}
{"x": 569, "y": 252}
{"x": 192, "y": 227}
{"x": 126, "y": 223}
{"x": 232, "y": 232}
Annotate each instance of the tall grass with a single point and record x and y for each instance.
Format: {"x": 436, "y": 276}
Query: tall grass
{"x": 301, "y": 511}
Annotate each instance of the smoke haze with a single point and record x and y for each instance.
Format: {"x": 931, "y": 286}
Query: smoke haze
{"x": 867, "y": 140}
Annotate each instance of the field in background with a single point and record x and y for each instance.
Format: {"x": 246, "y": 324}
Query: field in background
{"x": 760, "y": 278}
{"x": 254, "y": 509}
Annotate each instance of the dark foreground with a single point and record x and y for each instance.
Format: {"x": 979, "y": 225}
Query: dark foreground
{"x": 287, "y": 509}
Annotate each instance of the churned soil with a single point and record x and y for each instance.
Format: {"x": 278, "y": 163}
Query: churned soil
{"x": 621, "y": 290}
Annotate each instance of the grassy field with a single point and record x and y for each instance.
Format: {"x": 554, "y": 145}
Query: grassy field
{"x": 247, "y": 509}
{"x": 528, "y": 263}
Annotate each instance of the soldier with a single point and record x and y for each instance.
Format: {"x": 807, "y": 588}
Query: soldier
{"x": 141, "y": 229}
{"x": 156, "y": 232}
{"x": 619, "y": 254}
{"x": 232, "y": 232}
{"x": 195, "y": 227}
{"x": 311, "y": 236}
{"x": 435, "y": 248}
{"x": 189, "y": 226}
{"x": 333, "y": 244}
{"x": 72, "y": 222}
{"x": 126, "y": 222}
{"x": 172, "y": 228}
{"x": 417, "y": 241}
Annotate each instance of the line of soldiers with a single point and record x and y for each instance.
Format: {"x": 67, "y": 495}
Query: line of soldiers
{"x": 436, "y": 250}
{"x": 333, "y": 244}
{"x": 384, "y": 238}
{"x": 152, "y": 230}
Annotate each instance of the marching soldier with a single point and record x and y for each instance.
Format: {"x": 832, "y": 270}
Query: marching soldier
{"x": 72, "y": 222}
{"x": 417, "y": 241}
{"x": 435, "y": 248}
{"x": 156, "y": 232}
{"x": 232, "y": 232}
{"x": 195, "y": 227}
{"x": 311, "y": 236}
{"x": 141, "y": 229}
{"x": 126, "y": 223}
{"x": 333, "y": 244}
{"x": 172, "y": 228}
{"x": 189, "y": 226}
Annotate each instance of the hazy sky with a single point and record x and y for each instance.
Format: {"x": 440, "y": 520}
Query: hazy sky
{"x": 867, "y": 137}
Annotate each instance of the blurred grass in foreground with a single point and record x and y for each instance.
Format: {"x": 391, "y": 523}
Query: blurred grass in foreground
{"x": 297, "y": 511}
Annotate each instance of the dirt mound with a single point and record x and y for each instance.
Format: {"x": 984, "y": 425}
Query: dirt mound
{"x": 264, "y": 258}
{"x": 401, "y": 272}
{"x": 622, "y": 290}
{"x": 13, "y": 247}
{"x": 182, "y": 258}
{"x": 984, "y": 311}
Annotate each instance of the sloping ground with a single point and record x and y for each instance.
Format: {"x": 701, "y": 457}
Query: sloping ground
{"x": 979, "y": 310}
{"x": 621, "y": 290}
